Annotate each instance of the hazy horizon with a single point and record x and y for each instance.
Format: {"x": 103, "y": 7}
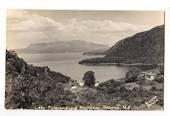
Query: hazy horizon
{"x": 25, "y": 27}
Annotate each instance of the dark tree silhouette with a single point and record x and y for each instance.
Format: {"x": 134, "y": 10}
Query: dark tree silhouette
{"x": 89, "y": 79}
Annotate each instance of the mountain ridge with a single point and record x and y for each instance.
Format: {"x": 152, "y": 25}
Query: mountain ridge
{"x": 63, "y": 46}
{"x": 144, "y": 47}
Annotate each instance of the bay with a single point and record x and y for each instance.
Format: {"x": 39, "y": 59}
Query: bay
{"x": 67, "y": 64}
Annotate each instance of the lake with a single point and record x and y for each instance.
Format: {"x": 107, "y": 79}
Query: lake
{"x": 67, "y": 64}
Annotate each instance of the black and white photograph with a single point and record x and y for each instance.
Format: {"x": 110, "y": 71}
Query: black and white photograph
{"x": 84, "y": 59}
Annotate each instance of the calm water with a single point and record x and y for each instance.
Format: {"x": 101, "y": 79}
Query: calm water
{"x": 67, "y": 63}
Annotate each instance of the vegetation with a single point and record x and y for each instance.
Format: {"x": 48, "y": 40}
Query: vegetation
{"x": 145, "y": 48}
{"x": 28, "y": 86}
{"x": 31, "y": 87}
{"x": 89, "y": 79}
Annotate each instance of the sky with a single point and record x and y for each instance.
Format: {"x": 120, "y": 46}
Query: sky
{"x": 24, "y": 27}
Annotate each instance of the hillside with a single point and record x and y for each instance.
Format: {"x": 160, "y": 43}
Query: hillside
{"x": 145, "y": 47}
{"x": 32, "y": 87}
{"x": 28, "y": 86}
{"x": 62, "y": 47}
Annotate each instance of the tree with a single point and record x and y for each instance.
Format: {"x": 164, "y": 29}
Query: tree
{"x": 89, "y": 79}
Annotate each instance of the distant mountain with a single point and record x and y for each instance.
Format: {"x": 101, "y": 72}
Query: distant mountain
{"x": 62, "y": 47}
{"x": 145, "y": 47}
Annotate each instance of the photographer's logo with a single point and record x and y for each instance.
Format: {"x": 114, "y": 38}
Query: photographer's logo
{"x": 151, "y": 101}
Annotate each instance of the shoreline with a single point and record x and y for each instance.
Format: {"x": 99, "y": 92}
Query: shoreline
{"x": 120, "y": 64}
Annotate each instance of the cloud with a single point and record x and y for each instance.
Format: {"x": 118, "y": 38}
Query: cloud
{"x": 24, "y": 21}
{"x": 103, "y": 26}
{"x": 34, "y": 22}
{"x": 23, "y": 26}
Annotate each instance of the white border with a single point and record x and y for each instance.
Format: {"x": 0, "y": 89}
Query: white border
{"x": 83, "y": 5}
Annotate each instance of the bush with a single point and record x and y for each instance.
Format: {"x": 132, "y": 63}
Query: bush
{"x": 131, "y": 75}
{"x": 89, "y": 79}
